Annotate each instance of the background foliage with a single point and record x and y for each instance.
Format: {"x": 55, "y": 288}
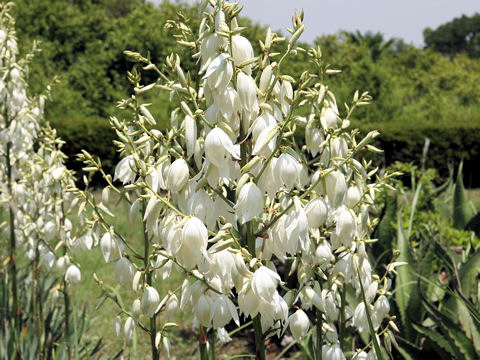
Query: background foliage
{"x": 432, "y": 92}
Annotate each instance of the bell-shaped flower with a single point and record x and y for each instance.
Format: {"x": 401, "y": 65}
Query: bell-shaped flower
{"x": 242, "y": 50}
{"x": 219, "y": 73}
{"x": 332, "y": 352}
{"x": 323, "y": 254}
{"x": 123, "y": 170}
{"x": 219, "y": 148}
{"x": 73, "y": 275}
{"x": 62, "y": 264}
{"x": 336, "y": 187}
{"x": 309, "y": 298}
{"x": 177, "y": 175}
{"x": 317, "y": 212}
{"x": 353, "y": 197}
{"x": 381, "y": 308}
{"x": 202, "y": 309}
{"x": 194, "y": 241}
{"x": 264, "y": 283}
{"x": 190, "y": 127}
{"x": 110, "y": 247}
{"x": 329, "y": 119}
{"x": 247, "y": 90}
{"x": 128, "y": 330}
{"x": 299, "y": 324}
{"x": 150, "y": 301}
{"x": 288, "y": 170}
{"x": 266, "y": 78}
{"x": 223, "y": 310}
{"x": 346, "y": 227}
{"x": 124, "y": 271}
{"x": 360, "y": 320}
{"x": 250, "y": 203}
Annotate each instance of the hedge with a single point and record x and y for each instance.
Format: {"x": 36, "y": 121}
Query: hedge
{"x": 450, "y": 143}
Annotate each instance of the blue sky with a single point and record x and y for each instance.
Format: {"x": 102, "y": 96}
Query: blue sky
{"x": 404, "y": 19}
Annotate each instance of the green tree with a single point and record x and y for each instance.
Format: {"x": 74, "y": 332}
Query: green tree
{"x": 459, "y": 35}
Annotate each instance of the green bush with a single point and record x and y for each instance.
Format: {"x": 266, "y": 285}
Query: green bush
{"x": 450, "y": 143}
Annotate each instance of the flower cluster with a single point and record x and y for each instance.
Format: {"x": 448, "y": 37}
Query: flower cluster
{"x": 265, "y": 227}
{"x": 33, "y": 186}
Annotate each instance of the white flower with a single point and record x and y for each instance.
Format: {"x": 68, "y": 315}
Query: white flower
{"x": 336, "y": 187}
{"x": 190, "y": 134}
{"x": 264, "y": 283}
{"x": 317, "y": 212}
{"x": 219, "y": 72}
{"x": 73, "y": 275}
{"x": 223, "y": 310}
{"x": 360, "y": 320}
{"x": 177, "y": 175}
{"x": 329, "y": 119}
{"x": 247, "y": 90}
{"x": 242, "y": 50}
{"x": 128, "y": 330}
{"x": 62, "y": 264}
{"x": 110, "y": 248}
{"x": 136, "y": 308}
{"x": 219, "y": 148}
{"x": 250, "y": 203}
{"x": 150, "y": 301}
{"x": 332, "y": 352}
{"x": 123, "y": 170}
{"x": 381, "y": 307}
{"x": 288, "y": 170}
{"x": 346, "y": 227}
{"x": 323, "y": 254}
{"x": 124, "y": 271}
{"x": 353, "y": 197}
{"x": 309, "y": 298}
{"x": 194, "y": 241}
{"x": 299, "y": 324}
{"x": 202, "y": 310}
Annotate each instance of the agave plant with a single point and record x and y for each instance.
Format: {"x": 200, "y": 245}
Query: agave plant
{"x": 435, "y": 293}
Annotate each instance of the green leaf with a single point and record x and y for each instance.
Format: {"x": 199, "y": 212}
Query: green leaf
{"x": 405, "y": 288}
{"x": 436, "y": 337}
{"x": 462, "y": 211}
{"x": 468, "y": 323}
{"x": 385, "y": 228}
{"x": 459, "y": 342}
{"x": 468, "y": 272}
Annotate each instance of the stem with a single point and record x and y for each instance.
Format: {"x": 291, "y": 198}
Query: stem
{"x": 11, "y": 252}
{"x": 319, "y": 335}
{"x": 66, "y": 302}
{"x": 66, "y": 298}
{"x": 259, "y": 341}
{"x": 212, "y": 344}
{"x": 257, "y": 326}
{"x": 202, "y": 343}
{"x": 148, "y": 275}
{"x": 341, "y": 330}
